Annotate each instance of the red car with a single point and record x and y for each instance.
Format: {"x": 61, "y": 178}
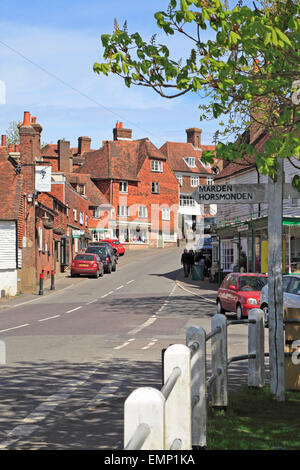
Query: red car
{"x": 117, "y": 245}
{"x": 240, "y": 292}
{"x": 89, "y": 264}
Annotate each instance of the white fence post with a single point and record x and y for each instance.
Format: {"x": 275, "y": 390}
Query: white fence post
{"x": 219, "y": 361}
{"x": 256, "y": 344}
{"x": 145, "y": 406}
{"x": 196, "y": 334}
{"x": 178, "y": 407}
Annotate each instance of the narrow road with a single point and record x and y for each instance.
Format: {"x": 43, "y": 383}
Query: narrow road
{"x": 74, "y": 356}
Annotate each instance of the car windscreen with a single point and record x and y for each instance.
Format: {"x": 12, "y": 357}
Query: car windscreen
{"x": 249, "y": 283}
{"x": 100, "y": 250}
{"x": 294, "y": 286}
{"x": 84, "y": 258}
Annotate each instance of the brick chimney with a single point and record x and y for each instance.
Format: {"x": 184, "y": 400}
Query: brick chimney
{"x": 194, "y": 136}
{"x": 84, "y": 144}
{"x": 27, "y": 136}
{"x": 37, "y": 140}
{"x": 65, "y": 157}
{"x": 120, "y": 133}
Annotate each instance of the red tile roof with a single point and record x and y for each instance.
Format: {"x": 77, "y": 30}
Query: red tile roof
{"x": 94, "y": 195}
{"x": 119, "y": 159}
{"x": 177, "y": 151}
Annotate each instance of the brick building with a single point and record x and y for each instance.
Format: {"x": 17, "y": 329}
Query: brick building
{"x": 185, "y": 160}
{"x": 139, "y": 184}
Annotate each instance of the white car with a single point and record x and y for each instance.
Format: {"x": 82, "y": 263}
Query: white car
{"x": 291, "y": 294}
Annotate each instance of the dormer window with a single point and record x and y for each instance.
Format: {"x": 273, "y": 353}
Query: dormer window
{"x": 81, "y": 189}
{"x": 157, "y": 165}
{"x": 190, "y": 161}
{"x": 123, "y": 187}
{"x": 206, "y": 165}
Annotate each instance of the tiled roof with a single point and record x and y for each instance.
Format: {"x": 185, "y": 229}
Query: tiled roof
{"x": 177, "y": 151}
{"x": 247, "y": 162}
{"x": 94, "y": 195}
{"x": 119, "y": 159}
{"x": 10, "y": 199}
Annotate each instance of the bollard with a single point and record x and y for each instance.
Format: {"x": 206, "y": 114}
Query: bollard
{"x": 219, "y": 362}
{"x": 41, "y": 291}
{"x": 256, "y": 366}
{"x": 144, "y": 410}
{"x": 178, "y": 407}
{"x": 196, "y": 334}
{"x": 52, "y": 281}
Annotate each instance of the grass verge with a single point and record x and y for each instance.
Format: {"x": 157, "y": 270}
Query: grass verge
{"x": 255, "y": 421}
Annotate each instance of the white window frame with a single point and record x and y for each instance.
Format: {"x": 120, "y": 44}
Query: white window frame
{"x": 123, "y": 187}
{"x": 96, "y": 212}
{"x": 227, "y": 255}
{"x": 210, "y": 180}
{"x": 180, "y": 180}
{"x": 123, "y": 211}
{"x": 157, "y": 166}
{"x": 190, "y": 161}
{"x": 155, "y": 187}
{"x": 165, "y": 213}
{"x": 186, "y": 201}
{"x": 75, "y": 214}
{"x": 143, "y": 212}
{"x": 194, "y": 181}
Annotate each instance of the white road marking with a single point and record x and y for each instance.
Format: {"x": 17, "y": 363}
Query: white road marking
{"x": 108, "y": 293}
{"x": 14, "y": 327}
{"x": 125, "y": 344}
{"x": 49, "y": 318}
{"x": 120, "y": 287}
{"x": 91, "y": 302}
{"x": 150, "y": 344}
{"x": 74, "y": 309}
{"x": 148, "y": 322}
{"x": 129, "y": 282}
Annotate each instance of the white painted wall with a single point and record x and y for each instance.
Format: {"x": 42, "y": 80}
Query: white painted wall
{"x": 8, "y": 258}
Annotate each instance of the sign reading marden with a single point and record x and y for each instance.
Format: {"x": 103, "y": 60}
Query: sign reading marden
{"x": 231, "y": 193}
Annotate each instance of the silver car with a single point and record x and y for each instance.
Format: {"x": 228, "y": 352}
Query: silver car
{"x": 291, "y": 294}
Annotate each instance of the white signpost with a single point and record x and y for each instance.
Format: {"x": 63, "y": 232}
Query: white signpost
{"x": 272, "y": 194}
{"x": 43, "y": 178}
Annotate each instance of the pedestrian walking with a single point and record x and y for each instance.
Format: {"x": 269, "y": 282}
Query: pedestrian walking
{"x": 186, "y": 262}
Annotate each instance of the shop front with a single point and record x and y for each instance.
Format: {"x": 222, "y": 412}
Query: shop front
{"x": 243, "y": 246}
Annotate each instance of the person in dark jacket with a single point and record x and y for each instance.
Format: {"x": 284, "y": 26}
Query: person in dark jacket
{"x": 186, "y": 262}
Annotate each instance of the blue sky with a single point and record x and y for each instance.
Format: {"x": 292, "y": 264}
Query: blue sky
{"x": 62, "y": 38}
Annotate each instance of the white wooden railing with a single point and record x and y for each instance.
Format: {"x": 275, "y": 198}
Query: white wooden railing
{"x": 175, "y": 417}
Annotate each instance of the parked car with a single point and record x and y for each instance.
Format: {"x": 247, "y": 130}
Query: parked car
{"x": 105, "y": 255}
{"x": 240, "y": 292}
{"x": 87, "y": 264}
{"x": 117, "y": 245}
{"x": 291, "y": 294}
{"x": 112, "y": 250}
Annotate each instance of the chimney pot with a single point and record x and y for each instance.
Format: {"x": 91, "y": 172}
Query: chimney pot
{"x": 17, "y": 148}
{"x": 33, "y": 120}
{"x": 3, "y": 141}
{"x": 11, "y": 147}
{"x": 121, "y": 125}
{"x": 117, "y": 125}
{"x": 26, "y": 121}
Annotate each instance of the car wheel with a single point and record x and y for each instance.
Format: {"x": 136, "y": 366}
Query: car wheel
{"x": 114, "y": 268}
{"x": 102, "y": 272}
{"x": 108, "y": 269}
{"x": 97, "y": 274}
{"x": 239, "y": 312}
{"x": 220, "y": 309}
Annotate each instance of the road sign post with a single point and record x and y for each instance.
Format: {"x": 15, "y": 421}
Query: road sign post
{"x": 272, "y": 194}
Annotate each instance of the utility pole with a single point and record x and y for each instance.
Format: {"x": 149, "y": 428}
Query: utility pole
{"x": 275, "y": 290}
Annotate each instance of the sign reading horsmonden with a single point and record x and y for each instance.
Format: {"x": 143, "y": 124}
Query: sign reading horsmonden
{"x": 230, "y": 193}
